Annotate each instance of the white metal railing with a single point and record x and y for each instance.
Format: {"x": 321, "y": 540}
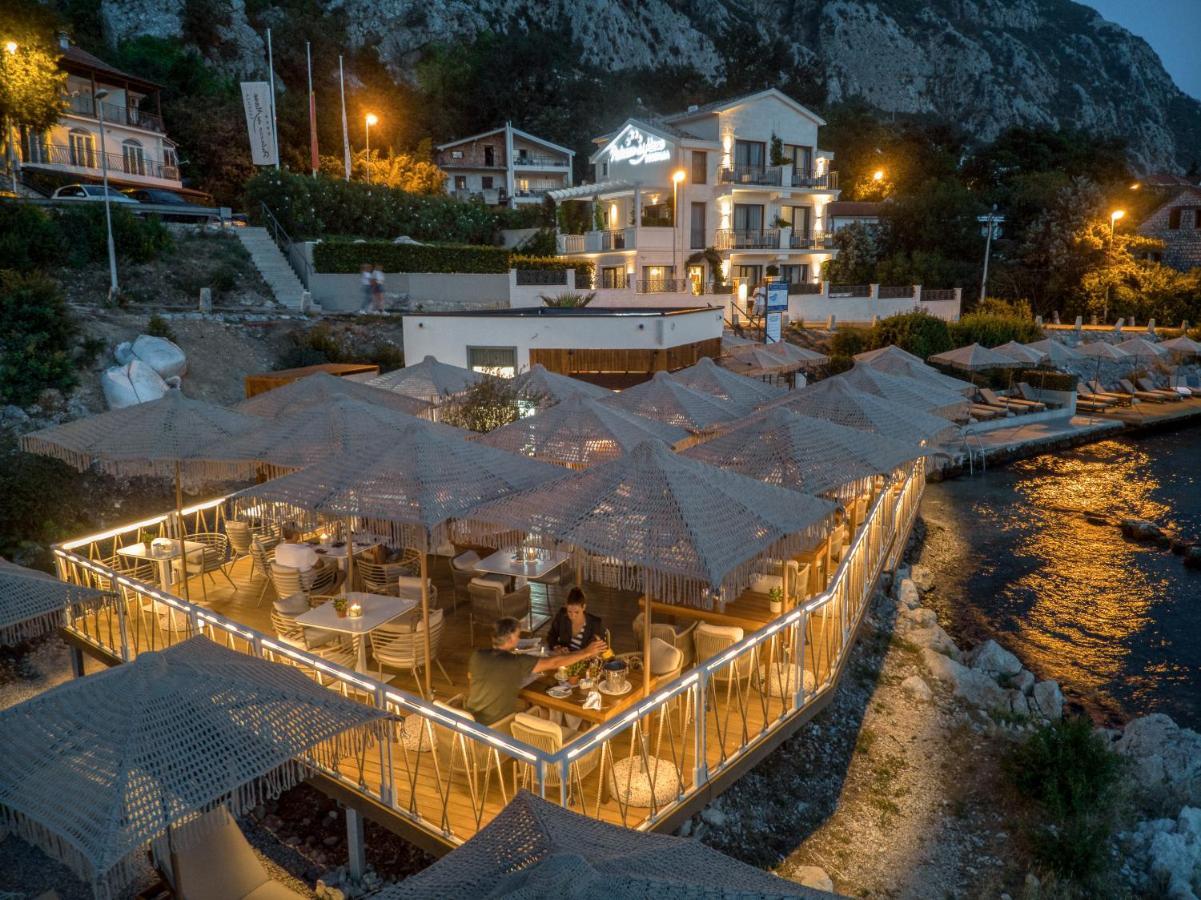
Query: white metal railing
{"x": 448, "y": 774}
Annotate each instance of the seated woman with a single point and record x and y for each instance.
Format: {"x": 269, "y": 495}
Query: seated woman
{"x": 573, "y": 627}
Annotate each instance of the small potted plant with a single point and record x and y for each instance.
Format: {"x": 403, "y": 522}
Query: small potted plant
{"x": 775, "y": 598}
{"x": 340, "y": 607}
{"x": 576, "y": 671}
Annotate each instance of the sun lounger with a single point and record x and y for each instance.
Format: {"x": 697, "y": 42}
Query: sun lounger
{"x": 986, "y": 413}
{"x": 1130, "y": 389}
{"x": 1168, "y": 393}
{"x": 1015, "y": 403}
{"x": 1179, "y": 383}
{"x": 1090, "y": 406}
{"x": 1098, "y": 394}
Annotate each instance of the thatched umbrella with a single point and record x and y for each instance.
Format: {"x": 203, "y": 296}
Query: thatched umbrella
{"x": 34, "y": 603}
{"x": 579, "y": 433}
{"x": 683, "y": 531}
{"x": 709, "y": 378}
{"x": 1021, "y": 353}
{"x": 546, "y": 387}
{"x": 895, "y": 361}
{"x": 169, "y": 437}
{"x": 927, "y": 396}
{"x": 1141, "y": 348}
{"x": 974, "y": 358}
{"x": 666, "y": 400}
{"x": 1055, "y": 352}
{"x": 321, "y": 387}
{"x": 802, "y": 453}
{"x": 755, "y": 361}
{"x": 429, "y": 380}
{"x": 409, "y": 484}
{"x": 836, "y": 400}
{"x": 97, "y": 768}
{"x": 1183, "y": 345}
{"x": 1104, "y": 351}
{"x": 807, "y": 358}
{"x": 538, "y": 849}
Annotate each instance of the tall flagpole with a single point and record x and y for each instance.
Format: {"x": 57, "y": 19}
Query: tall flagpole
{"x": 315, "y": 160}
{"x": 345, "y": 133}
{"x": 274, "y": 118}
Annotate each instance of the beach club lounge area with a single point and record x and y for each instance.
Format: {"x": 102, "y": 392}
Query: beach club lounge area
{"x": 728, "y": 539}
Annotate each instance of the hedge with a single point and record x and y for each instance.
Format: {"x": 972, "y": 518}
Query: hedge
{"x": 344, "y": 257}
{"x": 1048, "y": 379}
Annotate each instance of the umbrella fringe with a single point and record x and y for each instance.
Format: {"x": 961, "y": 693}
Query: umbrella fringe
{"x": 35, "y": 627}
{"x": 400, "y": 534}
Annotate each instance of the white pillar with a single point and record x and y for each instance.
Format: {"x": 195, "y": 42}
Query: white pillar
{"x": 355, "y": 848}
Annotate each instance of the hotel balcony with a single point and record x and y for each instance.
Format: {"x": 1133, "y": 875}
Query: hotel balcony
{"x": 541, "y": 162}
{"x": 784, "y": 177}
{"x": 598, "y": 241}
{"x": 84, "y": 105}
{"x": 769, "y": 239}
{"x": 90, "y": 162}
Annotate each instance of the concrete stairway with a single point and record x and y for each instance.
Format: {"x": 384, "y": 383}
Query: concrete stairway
{"x": 272, "y": 265}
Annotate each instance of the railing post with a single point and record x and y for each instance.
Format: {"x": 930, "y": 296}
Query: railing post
{"x": 355, "y": 847}
{"x": 700, "y": 774}
{"x": 802, "y": 629}
{"x": 121, "y": 627}
{"x": 540, "y": 776}
{"x": 385, "y": 755}
{"x": 564, "y": 769}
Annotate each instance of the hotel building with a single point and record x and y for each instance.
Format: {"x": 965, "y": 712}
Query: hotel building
{"x": 718, "y": 195}
{"x": 504, "y": 167}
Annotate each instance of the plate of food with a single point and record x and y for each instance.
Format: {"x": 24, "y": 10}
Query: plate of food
{"x": 560, "y": 691}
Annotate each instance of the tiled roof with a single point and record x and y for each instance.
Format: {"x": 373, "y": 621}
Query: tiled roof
{"x": 80, "y": 57}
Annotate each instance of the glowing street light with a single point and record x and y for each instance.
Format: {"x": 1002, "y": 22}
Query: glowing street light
{"x": 1136, "y": 185}
{"x": 1113, "y": 220}
{"x": 10, "y": 47}
{"x": 878, "y": 175}
{"x": 371, "y": 119}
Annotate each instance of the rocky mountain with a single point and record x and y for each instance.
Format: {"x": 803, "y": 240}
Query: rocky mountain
{"x": 984, "y": 64}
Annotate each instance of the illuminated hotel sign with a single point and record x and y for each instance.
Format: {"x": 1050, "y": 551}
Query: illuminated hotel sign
{"x": 636, "y": 148}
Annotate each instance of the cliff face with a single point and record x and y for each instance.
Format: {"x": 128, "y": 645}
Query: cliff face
{"x": 984, "y": 64}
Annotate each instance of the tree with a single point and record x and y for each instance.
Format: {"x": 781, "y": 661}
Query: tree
{"x": 858, "y": 253}
{"x": 32, "y": 86}
{"x": 484, "y": 406}
{"x": 393, "y": 169}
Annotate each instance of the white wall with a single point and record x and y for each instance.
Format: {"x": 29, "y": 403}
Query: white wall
{"x": 759, "y": 120}
{"x": 448, "y": 337}
{"x": 819, "y": 308}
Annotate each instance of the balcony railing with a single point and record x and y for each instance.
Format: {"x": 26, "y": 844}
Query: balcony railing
{"x": 85, "y": 105}
{"x": 540, "y": 162}
{"x": 810, "y": 242}
{"x": 79, "y": 157}
{"x": 597, "y": 241}
{"x": 850, "y": 290}
{"x": 797, "y": 288}
{"x": 753, "y": 239}
{"x": 894, "y": 292}
{"x": 448, "y": 775}
{"x": 812, "y": 181}
{"x": 936, "y": 294}
{"x": 662, "y": 285}
{"x": 764, "y": 175}
{"x": 541, "y": 276}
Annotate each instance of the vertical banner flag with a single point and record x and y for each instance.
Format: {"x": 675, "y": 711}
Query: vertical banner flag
{"x": 777, "y": 305}
{"x": 256, "y": 98}
{"x": 315, "y": 158}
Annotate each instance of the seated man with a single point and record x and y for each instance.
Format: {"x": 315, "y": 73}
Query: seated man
{"x": 497, "y": 675}
{"x": 315, "y": 572}
{"x": 573, "y": 627}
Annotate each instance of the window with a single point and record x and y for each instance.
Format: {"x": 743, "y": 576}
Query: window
{"x": 500, "y": 361}
{"x": 697, "y": 231}
{"x": 750, "y": 156}
{"x": 486, "y": 182}
{"x": 133, "y": 157}
{"x": 800, "y": 157}
{"x": 795, "y": 274}
{"x": 1174, "y": 218}
{"x": 613, "y": 277}
{"x": 798, "y": 218}
{"x": 700, "y": 166}
{"x": 456, "y": 154}
{"x": 523, "y": 156}
{"x": 748, "y": 218}
{"x": 489, "y": 155}
{"x": 82, "y": 148}
{"x": 604, "y": 170}
{"x": 170, "y": 157}
{"x": 748, "y": 274}
{"x": 460, "y": 182}
{"x": 657, "y": 278}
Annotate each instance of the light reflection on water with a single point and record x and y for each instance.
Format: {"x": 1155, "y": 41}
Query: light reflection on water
{"x": 1017, "y": 556}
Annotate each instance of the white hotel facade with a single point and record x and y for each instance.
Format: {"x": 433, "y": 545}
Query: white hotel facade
{"x": 746, "y": 179}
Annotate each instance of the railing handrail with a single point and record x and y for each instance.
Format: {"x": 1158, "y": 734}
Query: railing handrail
{"x": 285, "y": 243}
{"x": 90, "y": 159}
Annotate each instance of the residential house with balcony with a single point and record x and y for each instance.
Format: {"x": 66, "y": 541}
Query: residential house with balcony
{"x": 724, "y": 194}
{"x": 135, "y": 146}
{"x": 1177, "y": 223}
{"x": 504, "y": 167}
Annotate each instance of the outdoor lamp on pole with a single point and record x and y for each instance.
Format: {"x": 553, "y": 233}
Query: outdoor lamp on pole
{"x": 371, "y": 119}
{"x": 108, "y": 216}
{"x": 878, "y": 175}
{"x": 10, "y": 47}
{"x": 677, "y": 178}
{"x": 1113, "y": 220}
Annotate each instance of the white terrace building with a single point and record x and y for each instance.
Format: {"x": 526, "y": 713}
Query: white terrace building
{"x": 505, "y": 166}
{"x": 135, "y": 147}
{"x": 747, "y": 179}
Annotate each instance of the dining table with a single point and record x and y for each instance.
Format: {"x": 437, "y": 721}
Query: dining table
{"x": 161, "y": 552}
{"x": 535, "y": 692}
{"x": 522, "y": 562}
{"x": 374, "y": 610}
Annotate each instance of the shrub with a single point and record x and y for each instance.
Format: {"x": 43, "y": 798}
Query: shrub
{"x": 37, "y": 338}
{"x": 1048, "y": 379}
{"x": 344, "y": 257}
{"x": 567, "y": 300}
{"x": 917, "y": 332}
{"x": 1070, "y": 778}
{"x": 86, "y": 235}
{"x": 485, "y": 407}
{"x": 324, "y": 343}
{"x": 157, "y": 326}
{"x": 848, "y": 341}
{"x": 29, "y": 238}
{"x": 993, "y": 329}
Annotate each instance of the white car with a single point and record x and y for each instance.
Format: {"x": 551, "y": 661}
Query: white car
{"x": 94, "y": 192}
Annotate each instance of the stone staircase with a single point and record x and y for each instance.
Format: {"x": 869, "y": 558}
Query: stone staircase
{"x": 273, "y": 266}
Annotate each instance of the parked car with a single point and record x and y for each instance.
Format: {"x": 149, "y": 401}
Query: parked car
{"x": 156, "y": 195}
{"x": 92, "y": 192}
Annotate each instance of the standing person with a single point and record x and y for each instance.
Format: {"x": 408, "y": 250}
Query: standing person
{"x": 366, "y": 285}
{"x": 573, "y": 627}
{"x": 497, "y": 675}
{"x": 377, "y": 288}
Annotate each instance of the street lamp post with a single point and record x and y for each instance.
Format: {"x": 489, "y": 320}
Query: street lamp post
{"x": 10, "y": 49}
{"x": 677, "y": 178}
{"x": 108, "y": 216}
{"x": 371, "y": 119}
{"x": 1113, "y": 220}
{"x": 991, "y": 229}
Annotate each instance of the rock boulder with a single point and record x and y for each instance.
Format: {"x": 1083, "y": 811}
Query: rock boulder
{"x": 917, "y": 688}
{"x": 976, "y": 688}
{"x": 1047, "y": 700}
{"x": 813, "y": 877}
{"x": 993, "y": 659}
{"x": 922, "y": 577}
{"x": 1166, "y": 759}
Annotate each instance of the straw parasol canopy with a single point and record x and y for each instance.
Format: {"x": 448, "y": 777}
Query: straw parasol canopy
{"x": 895, "y": 361}
{"x": 680, "y": 530}
{"x": 837, "y": 401}
{"x": 801, "y": 453}
{"x": 1103, "y": 351}
{"x": 709, "y": 378}
{"x": 580, "y": 432}
{"x": 534, "y": 848}
{"x": 1183, "y": 345}
{"x": 429, "y": 380}
{"x": 794, "y": 353}
{"x": 321, "y": 387}
{"x": 1055, "y": 352}
{"x": 1021, "y": 353}
{"x": 33, "y": 603}
{"x": 98, "y": 767}
{"x": 926, "y": 396}
{"x": 731, "y": 341}
{"x": 756, "y": 360}
{"x": 666, "y": 400}
{"x": 974, "y": 358}
{"x": 1142, "y": 347}
{"x": 547, "y": 387}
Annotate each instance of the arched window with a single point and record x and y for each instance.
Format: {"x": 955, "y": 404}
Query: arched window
{"x": 133, "y": 157}
{"x": 82, "y": 148}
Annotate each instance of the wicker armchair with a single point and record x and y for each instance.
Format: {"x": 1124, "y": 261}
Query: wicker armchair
{"x": 679, "y": 637}
{"x": 710, "y": 640}
{"x": 380, "y": 578}
{"x": 462, "y": 570}
{"x": 325, "y": 644}
{"x": 400, "y": 644}
{"x": 213, "y": 558}
{"x": 289, "y": 581}
{"x": 490, "y": 602}
{"x": 470, "y": 762}
{"x": 549, "y": 737}
{"x": 240, "y": 541}
{"x": 262, "y": 552}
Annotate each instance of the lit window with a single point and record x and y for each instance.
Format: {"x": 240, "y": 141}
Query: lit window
{"x": 133, "y": 157}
